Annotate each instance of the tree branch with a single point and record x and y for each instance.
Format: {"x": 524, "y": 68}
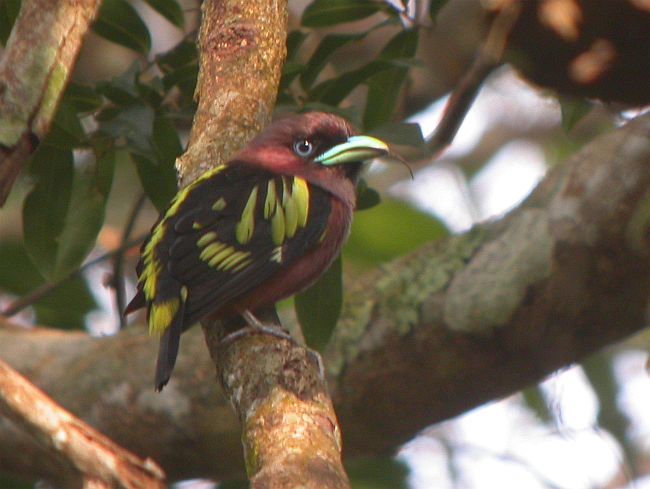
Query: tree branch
{"x": 83, "y": 456}
{"x": 34, "y": 71}
{"x": 453, "y": 325}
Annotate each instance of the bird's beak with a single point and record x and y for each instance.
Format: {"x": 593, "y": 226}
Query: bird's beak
{"x": 355, "y": 149}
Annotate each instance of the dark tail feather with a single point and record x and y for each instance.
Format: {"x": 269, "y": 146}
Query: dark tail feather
{"x": 168, "y": 349}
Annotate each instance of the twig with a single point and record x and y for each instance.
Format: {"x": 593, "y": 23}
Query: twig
{"x": 487, "y": 59}
{"x": 117, "y": 281}
{"x": 45, "y": 289}
{"x": 86, "y": 454}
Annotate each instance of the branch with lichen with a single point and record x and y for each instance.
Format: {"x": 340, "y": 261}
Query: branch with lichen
{"x": 36, "y": 65}
{"x": 453, "y": 325}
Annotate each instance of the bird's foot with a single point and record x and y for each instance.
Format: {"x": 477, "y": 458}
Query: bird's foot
{"x": 255, "y": 326}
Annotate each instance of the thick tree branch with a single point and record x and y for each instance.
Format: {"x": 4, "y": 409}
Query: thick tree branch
{"x": 455, "y": 324}
{"x": 83, "y": 456}
{"x": 34, "y": 71}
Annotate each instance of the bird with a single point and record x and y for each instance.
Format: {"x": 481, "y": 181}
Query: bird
{"x": 255, "y": 230}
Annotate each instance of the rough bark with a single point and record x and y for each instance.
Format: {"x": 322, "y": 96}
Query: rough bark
{"x": 82, "y": 456}
{"x": 34, "y": 70}
{"x": 453, "y": 325}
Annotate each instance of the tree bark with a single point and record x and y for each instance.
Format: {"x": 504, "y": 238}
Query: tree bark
{"x": 34, "y": 70}
{"x": 82, "y": 456}
{"x": 453, "y": 325}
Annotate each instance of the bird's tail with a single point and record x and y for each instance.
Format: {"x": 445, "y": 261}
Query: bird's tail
{"x": 168, "y": 350}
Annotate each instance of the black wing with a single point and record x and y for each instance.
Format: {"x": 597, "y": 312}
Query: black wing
{"x": 228, "y": 233}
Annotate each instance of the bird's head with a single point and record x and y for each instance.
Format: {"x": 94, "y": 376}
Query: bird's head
{"x": 322, "y": 148}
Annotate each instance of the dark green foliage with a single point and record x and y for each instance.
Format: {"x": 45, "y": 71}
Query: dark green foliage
{"x": 536, "y": 402}
{"x": 180, "y": 68}
{"x": 377, "y": 473}
{"x": 323, "y": 53}
{"x": 64, "y": 212}
{"x": 384, "y": 88}
{"x": 65, "y": 307}
{"x": 390, "y": 230}
{"x": 402, "y": 133}
{"x": 322, "y": 13}
{"x": 82, "y": 98}
{"x": 573, "y": 111}
{"x": 169, "y": 9}
{"x": 8, "y": 13}
{"x": 319, "y": 307}
{"x": 366, "y": 197}
{"x": 156, "y": 169}
{"x": 434, "y": 8}
{"x": 119, "y": 22}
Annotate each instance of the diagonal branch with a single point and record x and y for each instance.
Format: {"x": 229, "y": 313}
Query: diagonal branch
{"x": 83, "y": 456}
{"x": 34, "y": 70}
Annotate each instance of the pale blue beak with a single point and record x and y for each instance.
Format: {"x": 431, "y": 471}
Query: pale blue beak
{"x": 355, "y": 149}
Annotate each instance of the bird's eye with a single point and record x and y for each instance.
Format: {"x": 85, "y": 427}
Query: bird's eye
{"x": 303, "y": 147}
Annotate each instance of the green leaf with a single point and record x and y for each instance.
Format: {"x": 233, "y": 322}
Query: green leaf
{"x": 326, "y": 48}
{"x": 183, "y": 54}
{"x": 123, "y": 89}
{"x": 403, "y": 45}
{"x": 402, "y": 133}
{"x": 319, "y": 307}
{"x": 135, "y": 124}
{"x": 334, "y": 90}
{"x": 573, "y": 111}
{"x": 390, "y": 230}
{"x": 82, "y": 98}
{"x": 536, "y": 402}
{"x": 64, "y": 212}
{"x": 434, "y": 9}
{"x": 169, "y": 9}
{"x": 599, "y": 373}
{"x": 64, "y": 307}
{"x": 8, "y": 482}
{"x": 294, "y": 41}
{"x": 66, "y": 131}
{"x": 8, "y": 12}
{"x": 157, "y": 172}
{"x": 85, "y": 215}
{"x": 46, "y": 206}
{"x": 120, "y": 23}
{"x": 180, "y": 67}
{"x": 290, "y": 71}
{"x": 366, "y": 197}
{"x": 322, "y": 13}
{"x": 349, "y": 113}
{"x": 385, "y": 88}
{"x": 377, "y": 473}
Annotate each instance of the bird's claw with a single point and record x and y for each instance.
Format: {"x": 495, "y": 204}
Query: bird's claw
{"x": 255, "y": 326}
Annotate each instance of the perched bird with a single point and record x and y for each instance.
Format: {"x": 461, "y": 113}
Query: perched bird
{"x": 251, "y": 232}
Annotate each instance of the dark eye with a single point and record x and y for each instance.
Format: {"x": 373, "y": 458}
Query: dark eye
{"x": 303, "y": 147}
